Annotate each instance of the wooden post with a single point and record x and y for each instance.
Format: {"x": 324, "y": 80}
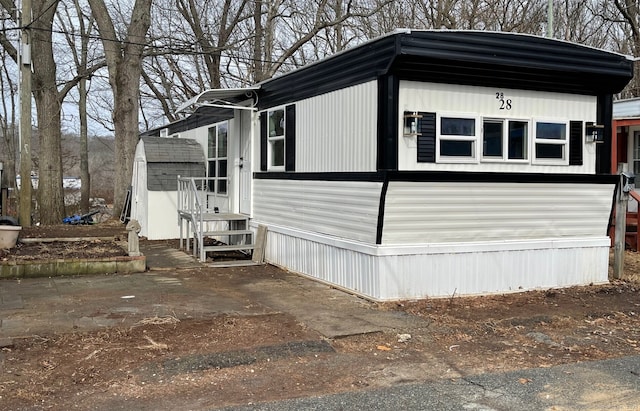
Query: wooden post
{"x": 24, "y": 212}
{"x": 622, "y": 200}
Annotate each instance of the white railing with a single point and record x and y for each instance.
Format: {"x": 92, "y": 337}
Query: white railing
{"x": 193, "y": 203}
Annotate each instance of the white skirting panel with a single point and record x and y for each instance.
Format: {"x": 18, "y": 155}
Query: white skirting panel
{"x": 440, "y": 270}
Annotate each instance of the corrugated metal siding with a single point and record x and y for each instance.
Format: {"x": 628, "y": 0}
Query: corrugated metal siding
{"x": 556, "y": 264}
{"x": 385, "y": 273}
{"x": 337, "y": 131}
{"x": 451, "y": 99}
{"x": 452, "y": 212}
{"x": 326, "y": 262}
{"x": 343, "y": 209}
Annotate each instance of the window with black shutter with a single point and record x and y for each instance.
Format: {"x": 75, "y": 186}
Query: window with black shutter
{"x": 427, "y": 138}
{"x": 576, "y": 138}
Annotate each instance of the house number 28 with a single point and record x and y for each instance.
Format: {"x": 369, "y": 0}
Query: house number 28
{"x": 505, "y": 103}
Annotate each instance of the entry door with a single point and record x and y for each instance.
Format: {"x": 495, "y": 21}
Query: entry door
{"x": 245, "y": 162}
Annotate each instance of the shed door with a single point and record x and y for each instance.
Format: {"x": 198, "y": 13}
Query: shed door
{"x": 245, "y": 162}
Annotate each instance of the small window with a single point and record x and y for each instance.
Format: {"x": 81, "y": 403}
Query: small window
{"x": 217, "y": 158}
{"x": 457, "y": 126}
{"x": 551, "y": 142}
{"x": 492, "y": 139}
{"x": 518, "y": 140}
{"x": 276, "y": 133}
{"x": 457, "y": 138}
{"x": 456, "y": 148}
{"x": 504, "y": 140}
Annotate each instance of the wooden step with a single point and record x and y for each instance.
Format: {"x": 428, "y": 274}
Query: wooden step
{"x": 222, "y": 217}
{"x": 233, "y": 247}
{"x": 226, "y": 232}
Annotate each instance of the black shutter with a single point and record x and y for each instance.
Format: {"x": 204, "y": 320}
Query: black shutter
{"x": 427, "y": 138}
{"x": 263, "y": 141}
{"x": 576, "y": 137}
{"x": 290, "y": 138}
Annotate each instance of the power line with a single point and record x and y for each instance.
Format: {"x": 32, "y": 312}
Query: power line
{"x": 53, "y": 3}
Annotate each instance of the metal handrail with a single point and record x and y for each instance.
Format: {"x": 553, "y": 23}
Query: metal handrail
{"x": 189, "y": 202}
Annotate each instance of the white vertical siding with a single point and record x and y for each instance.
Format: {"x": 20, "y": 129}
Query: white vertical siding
{"x": 337, "y": 131}
{"x": 419, "y": 213}
{"x": 481, "y": 102}
{"x": 440, "y": 270}
{"x": 523, "y": 266}
{"x": 324, "y": 261}
{"x": 343, "y": 209}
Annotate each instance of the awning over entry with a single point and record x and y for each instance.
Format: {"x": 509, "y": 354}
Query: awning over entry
{"x": 233, "y": 98}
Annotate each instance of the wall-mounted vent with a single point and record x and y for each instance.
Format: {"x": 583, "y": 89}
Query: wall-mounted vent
{"x": 175, "y": 135}
{"x": 164, "y": 132}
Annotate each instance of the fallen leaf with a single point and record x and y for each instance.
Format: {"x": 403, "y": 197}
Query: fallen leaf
{"x": 524, "y": 380}
{"x": 383, "y": 348}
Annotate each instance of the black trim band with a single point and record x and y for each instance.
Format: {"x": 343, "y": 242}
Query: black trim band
{"x": 443, "y": 176}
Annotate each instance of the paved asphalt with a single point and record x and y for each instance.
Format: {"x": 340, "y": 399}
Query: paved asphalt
{"x": 35, "y": 306}
{"x": 600, "y": 385}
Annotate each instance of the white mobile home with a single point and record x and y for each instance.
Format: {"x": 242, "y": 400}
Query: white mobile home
{"x": 422, "y": 163}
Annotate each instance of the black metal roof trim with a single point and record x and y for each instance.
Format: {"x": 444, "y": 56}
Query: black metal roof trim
{"x": 522, "y": 61}
{"x": 460, "y": 57}
{"x": 490, "y": 59}
{"x": 354, "y": 66}
{"x": 443, "y": 176}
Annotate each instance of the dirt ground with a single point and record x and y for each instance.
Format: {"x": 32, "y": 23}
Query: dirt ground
{"x": 208, "y": 363}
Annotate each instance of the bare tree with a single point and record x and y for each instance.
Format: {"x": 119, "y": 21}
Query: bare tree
{"x": 48, "y": 106}
{"x": 627, "y": 14}
{"x": 9, "y": 140}
{"x": 80, "y": 53}
{"x": 48, "y": 99}
{"x": 124, "y": 53}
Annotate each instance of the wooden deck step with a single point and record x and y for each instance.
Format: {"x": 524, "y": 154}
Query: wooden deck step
{"x": 223, "y": 217}
{"x": 233, "y": 247}
{"x": 227, "y": 232}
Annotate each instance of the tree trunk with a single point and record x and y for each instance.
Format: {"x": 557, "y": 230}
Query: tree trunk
{"x": 48, "y": 105}
{"x": 125, "y": 122}
{"x": 85, "y": 188}
{"x": 9, "y": 130}
{"x": 124, "y": 62}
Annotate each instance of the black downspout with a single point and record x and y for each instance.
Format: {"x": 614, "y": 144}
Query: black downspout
{"x": 605, "y": 117}
{"x": 388, "y": 91}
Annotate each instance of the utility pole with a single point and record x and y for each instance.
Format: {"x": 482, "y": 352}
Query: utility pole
{"x": 550, "y": 19}
{"x": 24, "y": 210}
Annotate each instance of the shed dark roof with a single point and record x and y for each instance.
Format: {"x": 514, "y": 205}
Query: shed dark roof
{"x": 172, "y": 150}
{"x": 168, "y": 158}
